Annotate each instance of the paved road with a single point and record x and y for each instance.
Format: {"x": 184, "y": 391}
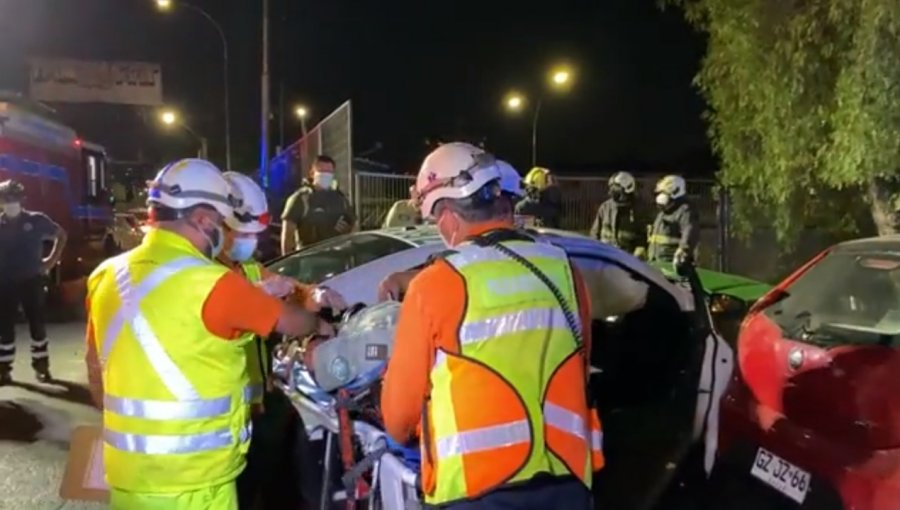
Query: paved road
{"x": 36, "y": 421}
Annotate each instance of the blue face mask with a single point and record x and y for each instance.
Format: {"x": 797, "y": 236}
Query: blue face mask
{"x": 242, "y": 249}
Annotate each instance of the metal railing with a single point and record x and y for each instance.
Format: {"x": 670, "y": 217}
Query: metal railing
{"x": 374, "y": 194}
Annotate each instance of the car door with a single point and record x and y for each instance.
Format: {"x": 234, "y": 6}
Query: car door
{"x": 657, "y": 386}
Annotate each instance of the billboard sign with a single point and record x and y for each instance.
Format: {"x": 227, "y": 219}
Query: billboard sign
{"x": 80, "y": 81}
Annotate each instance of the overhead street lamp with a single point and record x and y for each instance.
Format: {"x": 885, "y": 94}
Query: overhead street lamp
{"x": 560, "y": 79}
{"x": 302, "y": 113}
{"x": 170, "y": 118}
{"x": 166, "y": 5}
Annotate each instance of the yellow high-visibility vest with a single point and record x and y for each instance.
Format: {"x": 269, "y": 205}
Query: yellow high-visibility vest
{"x": 257, "y": 361}
{"x": 175, "y": 414}
{"x": 525, "y": 409}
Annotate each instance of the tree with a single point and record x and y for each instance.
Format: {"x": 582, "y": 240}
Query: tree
{"x": 804, "y": 109}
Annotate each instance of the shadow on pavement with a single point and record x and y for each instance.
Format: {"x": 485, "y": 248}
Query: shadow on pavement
{"x": 18, "y": 424}
{"x": 62, "y": 390}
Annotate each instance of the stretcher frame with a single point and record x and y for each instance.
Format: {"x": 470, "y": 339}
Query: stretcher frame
{"x": 394, "y": 485}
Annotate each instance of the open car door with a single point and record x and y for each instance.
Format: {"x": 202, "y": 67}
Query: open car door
{"x": 659, "y": 373}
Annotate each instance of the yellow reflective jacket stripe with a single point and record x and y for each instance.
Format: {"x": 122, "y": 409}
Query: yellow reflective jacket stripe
{"x": 253, "y": 344}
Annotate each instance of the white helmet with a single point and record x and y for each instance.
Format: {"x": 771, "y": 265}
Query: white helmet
{"x": 672, "y": 185}
{"x": 510, "y": 180}
{"x": 252, "y": 215}
{"x": 623, "y": 180}
{"x": 454, "y": 170}
{"x": 191, "y": 182}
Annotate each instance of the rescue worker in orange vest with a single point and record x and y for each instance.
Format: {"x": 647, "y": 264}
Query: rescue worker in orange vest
{"x": 489, "y": 360}
{"x": 165, "y": 354}
{"x": 242, "y": 230}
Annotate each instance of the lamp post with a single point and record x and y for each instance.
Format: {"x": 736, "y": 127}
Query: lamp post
{"x": 170, "y": 118}
{"x": 302, "y": 113}
{"x": 560, "y": 79}
{"x": 165, "y": 5}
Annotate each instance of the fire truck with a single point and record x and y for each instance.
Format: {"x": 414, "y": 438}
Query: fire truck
{"x": 64, "y": 177}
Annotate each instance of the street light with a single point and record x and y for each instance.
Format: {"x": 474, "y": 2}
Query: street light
{"x": 301, "y": 112}
{"x": 560, "y": 79}
{"x": 165, "y": 5}
{"x": 170, "y": 118}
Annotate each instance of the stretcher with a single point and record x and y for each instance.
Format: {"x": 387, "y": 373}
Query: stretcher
{"x": 376, "y": 473}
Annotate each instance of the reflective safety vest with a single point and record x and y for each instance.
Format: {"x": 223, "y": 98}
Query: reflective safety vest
{"x": 257, "y": 360}
{"x": 175, "y": 414}
{"x": 665, "y": 235}
{"x": 511, "y": 403}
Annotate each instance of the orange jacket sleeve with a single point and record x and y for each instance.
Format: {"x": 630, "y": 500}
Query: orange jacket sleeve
{"x": 236, "y": 306}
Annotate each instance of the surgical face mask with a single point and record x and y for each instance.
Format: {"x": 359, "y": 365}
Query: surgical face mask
{"x": 323, "y": 180}
{"x": 12, "y": 209}
{"x": 215, "y": 239}
{"x": 663, "y": 200}
{"x": 242, "y": 249}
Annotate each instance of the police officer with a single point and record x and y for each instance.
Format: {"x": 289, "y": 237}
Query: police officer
{"x": 675, "y": 232}
{"x": 620, "y": 220}
{"x": 543, "y": 199}
{"x": 23, "y": 268}
{"x": 317, "y": 211}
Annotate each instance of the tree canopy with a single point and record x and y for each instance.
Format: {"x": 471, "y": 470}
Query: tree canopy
{"x": 804, "y": 109}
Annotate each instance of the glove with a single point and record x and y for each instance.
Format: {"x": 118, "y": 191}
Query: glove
{"x": 278, "y": 286}
{"x": 323, "y": 297}
{"x": 681, "y": 258}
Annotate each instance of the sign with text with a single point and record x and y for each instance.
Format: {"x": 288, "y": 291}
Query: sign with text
{"x": 81, "y": 81}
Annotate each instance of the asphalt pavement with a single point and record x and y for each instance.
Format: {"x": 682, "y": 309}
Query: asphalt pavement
{"x": 37, "y": 420}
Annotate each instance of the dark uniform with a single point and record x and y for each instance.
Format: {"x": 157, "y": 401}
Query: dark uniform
{"x": 623, "y": 225}
{"x": 545, "y": 206}
{"x": 316, "y": 212}
{"x": 674, "y": 228}
{"x": 22, "y": 283}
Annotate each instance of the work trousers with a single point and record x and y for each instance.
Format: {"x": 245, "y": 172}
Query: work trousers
{"x": 31, "y": 296}
{"x": 219, "y": 497}
{"x": 538, "y": 494}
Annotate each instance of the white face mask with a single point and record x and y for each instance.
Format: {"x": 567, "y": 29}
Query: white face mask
{"x": 323, "y": 179}
{"x": 12, "y": 209}
{"x": 662, "y": 199}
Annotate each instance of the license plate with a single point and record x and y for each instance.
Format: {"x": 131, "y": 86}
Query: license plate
{"x": 781, "y": 475}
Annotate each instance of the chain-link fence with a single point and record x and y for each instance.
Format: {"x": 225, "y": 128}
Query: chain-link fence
{"x": 375, "y": 193}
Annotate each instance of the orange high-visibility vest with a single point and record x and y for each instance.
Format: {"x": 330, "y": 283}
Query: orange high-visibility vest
{"x": 512, "y": 402}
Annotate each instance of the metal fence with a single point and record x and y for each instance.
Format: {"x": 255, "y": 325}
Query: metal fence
{"x": 375, "y": 193}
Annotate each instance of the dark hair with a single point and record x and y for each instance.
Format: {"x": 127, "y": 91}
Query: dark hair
{"x": 322, "y": 158}
{"x": 161, "y": 212}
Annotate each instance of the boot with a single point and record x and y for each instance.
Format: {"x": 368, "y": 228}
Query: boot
{"x": 5, "y": 376}
{"x": 42, "y": 370}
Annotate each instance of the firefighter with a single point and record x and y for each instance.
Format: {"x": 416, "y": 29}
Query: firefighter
{"x": 23, "y": 275}
{"x": 620, "y": 220}
{"x": 675, "y": 232}
{"x": 543, "y": 199}
{"x": 492, "y": 319}
{"x": 242, "y": 230}
{"x": 165, "y": 358}
{"x": 317, "y": 211}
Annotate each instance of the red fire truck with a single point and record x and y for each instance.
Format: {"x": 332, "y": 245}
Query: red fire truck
{"x": 64, "y": 177}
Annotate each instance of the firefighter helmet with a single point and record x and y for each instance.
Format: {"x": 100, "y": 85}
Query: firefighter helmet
{"x": 624, "y": 181}
{"x": 11, "y": 190}
{"x": 672, "y": 185}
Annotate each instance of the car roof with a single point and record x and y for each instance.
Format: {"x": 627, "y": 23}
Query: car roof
{"x": 889, "y": 243}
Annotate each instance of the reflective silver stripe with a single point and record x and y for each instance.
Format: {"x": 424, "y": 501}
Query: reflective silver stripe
{"x": 169, "y": 373}
{"x": 597, "y": 440}
{"x": 8, "y": 358}
{"x": 154, "y": 279}
{"x": 40, "y": 344}
{"x": 486, "y": 438}
{"x": 565, "y": 420}
{"x": 470, "y": 254}
{"x": 515, "y": 322}
{"x": 167, "y": 410}
{"x": 160, "y": 445}
{"x": 40, "y": 354}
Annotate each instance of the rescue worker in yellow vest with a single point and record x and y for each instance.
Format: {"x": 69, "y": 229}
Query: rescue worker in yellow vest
{"x": 242, "y": 230}
{"x": 675, "y": 232}
{"x": 489, "y": 358}
{"x": 165, "y": 350}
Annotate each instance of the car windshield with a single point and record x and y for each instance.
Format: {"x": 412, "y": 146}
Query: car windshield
{"x": 846, "y": 298}
{"x": 334, "y": 256}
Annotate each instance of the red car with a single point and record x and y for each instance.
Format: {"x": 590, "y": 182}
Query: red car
{"x": 811, "y": 418}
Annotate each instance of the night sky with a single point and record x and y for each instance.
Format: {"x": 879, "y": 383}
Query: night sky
{"x": 414, "y": 70}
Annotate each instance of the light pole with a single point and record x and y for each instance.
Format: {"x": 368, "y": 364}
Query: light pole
{"x": 165, "y": 5}
{"x": 301, "y": 112}
{"x": 560, "y": 79}
{"x": 170, "y": 118}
